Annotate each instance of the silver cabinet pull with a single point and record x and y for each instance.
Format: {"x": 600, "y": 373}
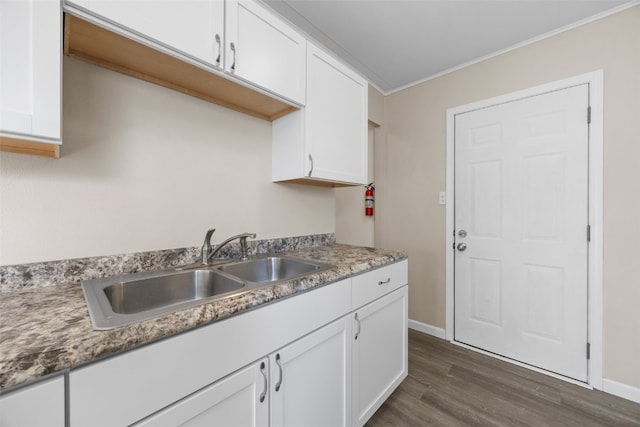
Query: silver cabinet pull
{"x": 462, "y": 233}
{"x": 380, "y": 283}
{"x": 264, "y": 375}
{"x": 233, "y": 64}
{"x": 219, "y": 50}
{"x": 462, "y": 247}
{"x": 310, "y": 170}
{"x": 279, "y": 383}
{"x": 357, "y": 326}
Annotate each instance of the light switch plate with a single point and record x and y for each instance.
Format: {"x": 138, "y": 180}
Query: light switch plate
{"x": 442, "y": 198}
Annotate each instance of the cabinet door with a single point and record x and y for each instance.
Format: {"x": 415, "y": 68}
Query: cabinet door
{"x": 194, "y": 27}
{"x": 336, "y": 145}
{"x": 311, "y": 379}
{"x": 30, "y": 51}
{"x": 264, "y": 50}
{"x": 241, "y": 399}
{"x": 40, "y": 404}
{"x": 379, "y": 352}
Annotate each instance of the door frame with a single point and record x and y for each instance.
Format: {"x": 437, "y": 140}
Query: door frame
{"x": 595, "y": 80}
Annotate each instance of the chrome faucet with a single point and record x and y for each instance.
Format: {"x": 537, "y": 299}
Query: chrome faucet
{"x": 208, "y": 252}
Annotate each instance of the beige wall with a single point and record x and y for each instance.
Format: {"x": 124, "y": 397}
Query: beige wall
{"x": 416, "y": 138}
{"x": 146, "y": 168}
{"x": 352, "y": 227}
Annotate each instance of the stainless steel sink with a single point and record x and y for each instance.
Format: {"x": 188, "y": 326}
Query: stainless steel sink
{"x": 271, "y": 269}
{"x": 121, "y": 300}
{"x": 125, "y": 299}
{"x": 146, "y": 294}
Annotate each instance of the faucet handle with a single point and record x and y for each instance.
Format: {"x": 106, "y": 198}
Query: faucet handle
{"x": 244, "y": 252}
{"x": 207, "y": 249}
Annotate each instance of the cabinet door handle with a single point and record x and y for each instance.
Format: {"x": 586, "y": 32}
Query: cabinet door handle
{"x": 264, "y": 375}
{"x": 233, "y": 64}
{"x": 279, "y": 383}
{"x": 219, "y": 50}
{"x": 357, "y": 326}
{"x": 310, "y": 170}
{"x": 380, "y": 283}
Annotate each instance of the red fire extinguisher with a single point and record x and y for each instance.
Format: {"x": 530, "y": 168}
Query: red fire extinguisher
{"x": 369, "y": 199}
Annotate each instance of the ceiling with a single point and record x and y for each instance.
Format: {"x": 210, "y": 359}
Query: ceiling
{"x": 396, "y": 43}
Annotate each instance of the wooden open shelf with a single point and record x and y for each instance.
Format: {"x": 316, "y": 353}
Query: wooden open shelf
{"x": 24, "y": 146}
{"x": 92, "y": 43}
{"x": 318, "y": 183}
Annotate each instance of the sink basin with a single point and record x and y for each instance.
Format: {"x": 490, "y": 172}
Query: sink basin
{"x": 121, "y": 300}
{"x": 146, "y": 294}
{"x": 125, "y": 299}
{"x": 271, "y": 269}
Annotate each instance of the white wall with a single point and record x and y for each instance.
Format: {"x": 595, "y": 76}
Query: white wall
{"x": 147, "y": 168}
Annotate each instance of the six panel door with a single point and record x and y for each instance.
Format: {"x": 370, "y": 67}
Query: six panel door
{"x": 521, "y": 216}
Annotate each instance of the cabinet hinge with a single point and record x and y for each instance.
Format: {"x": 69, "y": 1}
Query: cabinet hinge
{"x": 589, "y": 115}
{"x": 588, "y": 233}
{"x": 588, "y": 351}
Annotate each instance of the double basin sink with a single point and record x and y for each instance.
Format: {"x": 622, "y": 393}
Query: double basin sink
{"x": 122, "y": 300}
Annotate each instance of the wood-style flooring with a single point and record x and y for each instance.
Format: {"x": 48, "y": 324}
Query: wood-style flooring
{"x": 449, "y": 385}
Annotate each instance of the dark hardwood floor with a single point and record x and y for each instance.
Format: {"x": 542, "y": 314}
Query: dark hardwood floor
{"x": 449, "y": 385}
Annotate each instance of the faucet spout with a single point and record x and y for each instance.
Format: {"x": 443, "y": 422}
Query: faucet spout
{"x": 244, "y": 252}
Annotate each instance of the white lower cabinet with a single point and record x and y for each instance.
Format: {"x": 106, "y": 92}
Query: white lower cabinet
{"x": 379, "y": 352}
{"x": 329, "y": 357}
{"x": 311, "y": 379}
{"x": 40, "y": 404}
{"x": 307, "y": 383}
{"x": 241, "y": 399}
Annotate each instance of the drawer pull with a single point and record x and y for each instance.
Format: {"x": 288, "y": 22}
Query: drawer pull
{"x": 357, "y": 326}
{"x": 279, "y": 383}
{"x": 380, "y": 283}
{"x": 264, "y": 375}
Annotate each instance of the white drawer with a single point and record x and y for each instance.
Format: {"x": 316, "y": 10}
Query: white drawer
{"x": 374, "y": 284}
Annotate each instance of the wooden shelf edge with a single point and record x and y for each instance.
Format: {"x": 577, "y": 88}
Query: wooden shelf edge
{"x": 317, "y": 183}
{"x": 92, "y": 43}
{"x": 25, "y": 146}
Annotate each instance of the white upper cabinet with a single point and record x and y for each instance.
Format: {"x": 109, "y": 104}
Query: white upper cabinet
{"x": 264, "y": 50}
{"x": 30, "y": 85}
{"x": 193, "y": 27}
{"x": 240, "y": 38}
{"x": 327, "y": 140}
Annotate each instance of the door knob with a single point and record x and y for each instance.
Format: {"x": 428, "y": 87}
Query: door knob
{"x": 462, "y": 233}
{"x": 462, "y": 247}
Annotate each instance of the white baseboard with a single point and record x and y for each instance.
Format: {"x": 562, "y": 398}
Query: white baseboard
{"x": 621, "y": 390}
{"x": 427, "y": 329}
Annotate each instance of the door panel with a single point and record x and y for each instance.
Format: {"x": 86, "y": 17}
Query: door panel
{"x": 234, "y": 401}
{"x": 521, "y": 187}
{"x": 310, "y": 379}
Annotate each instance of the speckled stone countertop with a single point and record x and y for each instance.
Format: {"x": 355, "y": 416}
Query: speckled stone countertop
{"x": 47, "y": 329}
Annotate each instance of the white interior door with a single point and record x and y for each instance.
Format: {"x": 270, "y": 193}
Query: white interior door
{"x": 521, "y": 198}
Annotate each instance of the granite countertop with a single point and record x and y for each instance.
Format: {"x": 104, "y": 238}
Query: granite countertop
{"x": 47, "y": 329}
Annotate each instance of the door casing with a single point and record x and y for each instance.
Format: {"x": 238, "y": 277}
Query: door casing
{"x": 595, "y": 274}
